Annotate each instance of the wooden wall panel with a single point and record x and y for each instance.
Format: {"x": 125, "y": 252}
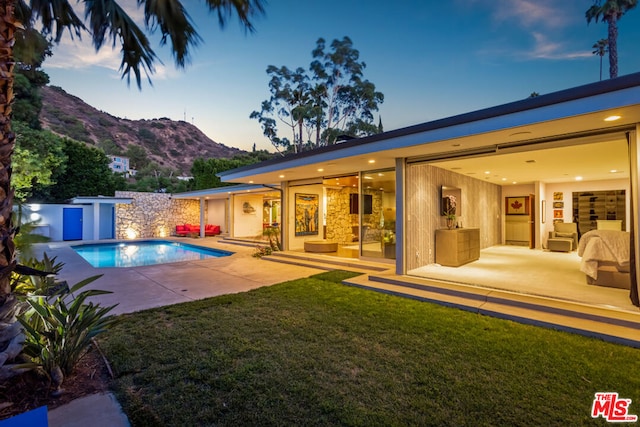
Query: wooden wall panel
{"x": 481, "y": 208}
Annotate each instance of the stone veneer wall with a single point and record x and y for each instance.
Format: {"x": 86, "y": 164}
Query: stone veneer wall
{"x": 340, "y": 223}
{"x": 339, "y": 220}
{"x": 153, "y": 214}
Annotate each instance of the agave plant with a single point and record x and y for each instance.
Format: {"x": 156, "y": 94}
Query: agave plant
{"x": 42, "y": 282}
{"x": 59, "y": 329}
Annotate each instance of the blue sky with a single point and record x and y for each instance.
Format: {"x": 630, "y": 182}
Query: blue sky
{"x": 431, "y": 59}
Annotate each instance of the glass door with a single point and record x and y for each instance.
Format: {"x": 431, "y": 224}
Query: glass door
{"x": 378, "y": 214}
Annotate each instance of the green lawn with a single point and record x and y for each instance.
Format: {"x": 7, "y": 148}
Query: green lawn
{"x": 315, "y": 352}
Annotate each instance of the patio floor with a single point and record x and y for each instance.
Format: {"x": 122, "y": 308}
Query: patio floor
{"x": 141, "y": 288}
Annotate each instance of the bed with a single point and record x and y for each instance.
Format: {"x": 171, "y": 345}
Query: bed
{"x": 606, "y": 258}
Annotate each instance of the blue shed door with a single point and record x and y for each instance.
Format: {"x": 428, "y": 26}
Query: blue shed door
{"x": 71, "y": 223}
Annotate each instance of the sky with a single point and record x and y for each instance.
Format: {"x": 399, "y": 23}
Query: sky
{"x": 431, "y": 59}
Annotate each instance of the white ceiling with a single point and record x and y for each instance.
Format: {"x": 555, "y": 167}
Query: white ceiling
{"x": 590, "y": 162}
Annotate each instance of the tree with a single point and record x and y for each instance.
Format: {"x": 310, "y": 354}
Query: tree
{"x": 37, "y": 154}
{"x": 600, "y": 48}
{"x": 107, "y": 22}
{"x": 317, "y": 105}
{"x": 610, "y": 11}
{"x": 86, "y": 173}
{"x": 204, "y": 171}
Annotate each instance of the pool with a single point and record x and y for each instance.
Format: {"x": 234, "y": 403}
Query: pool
{"x": 139, "y": 253}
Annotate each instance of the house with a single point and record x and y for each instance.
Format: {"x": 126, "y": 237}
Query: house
{"x": 380, "y": 197}
{"x": 120, "y": 164}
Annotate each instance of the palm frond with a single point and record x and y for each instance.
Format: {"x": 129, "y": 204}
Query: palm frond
{"x": 107, "y": 17}
{"x": 58, "y": 14}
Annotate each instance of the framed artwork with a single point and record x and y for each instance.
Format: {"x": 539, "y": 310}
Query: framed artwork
{"x": 558, "y": 205}
{"x": 558, "y": 213}
{"x": 517, "y": 205}
{"x": 558, "y": 195}
{"x": 306, "y": 214}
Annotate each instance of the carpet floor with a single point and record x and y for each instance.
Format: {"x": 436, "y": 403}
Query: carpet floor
{"x": 530, "y": 271}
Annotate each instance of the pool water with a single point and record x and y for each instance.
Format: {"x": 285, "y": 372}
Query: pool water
{"x": 135, "y": 254}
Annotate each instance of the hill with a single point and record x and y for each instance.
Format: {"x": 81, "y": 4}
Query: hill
{"x": 173, "y": 144}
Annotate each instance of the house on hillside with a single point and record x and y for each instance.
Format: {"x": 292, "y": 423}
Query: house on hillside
{"x": 120, "y": 164}
{"x": 514, "y": 170}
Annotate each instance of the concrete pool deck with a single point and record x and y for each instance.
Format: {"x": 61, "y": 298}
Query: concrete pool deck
{"x": 141, "y": 288}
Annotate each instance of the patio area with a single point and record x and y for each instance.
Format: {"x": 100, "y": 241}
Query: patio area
{"x": 141, "y": 288}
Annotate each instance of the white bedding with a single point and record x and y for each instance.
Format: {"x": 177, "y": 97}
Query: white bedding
{"x": 603, "y": 245}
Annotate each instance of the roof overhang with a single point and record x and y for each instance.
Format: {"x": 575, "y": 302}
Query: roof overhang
{"x": 84, "y": 200}
{"x": 225, "y": 192}
{"x": 571, "y": 114}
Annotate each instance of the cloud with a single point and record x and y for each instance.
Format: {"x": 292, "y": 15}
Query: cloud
{"x": 546, "y": 49}
{"x": 531, "y": 13}
{"x": 547, "y": 23}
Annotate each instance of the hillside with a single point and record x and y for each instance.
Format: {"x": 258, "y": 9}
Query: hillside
{"x": 173, "y": 144}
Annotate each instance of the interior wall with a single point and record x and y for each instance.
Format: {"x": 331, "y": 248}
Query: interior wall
{"x": 247, "y": 218}
{"x": 568, "y": 188}
{"x": 297, "y": 242}
{"x": 216, "y": 213}
{"x": 482, "y": 209}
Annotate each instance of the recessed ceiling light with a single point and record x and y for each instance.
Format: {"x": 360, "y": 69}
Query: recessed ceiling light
{"x": 578, "y": 178}
{"x": 372, "y": 161}
{"x": 504, "y": 179}
{"x": 281, "y": 176}
{"x": 612, "y": 118}
{"x": 514, "y": 182}
{"x": 380, "y": 174}
{"x": 487, "y": 172}
{"x": 320, "y": 170}
{"x": 614, "y": 171}
{"x": 250, "y": 182}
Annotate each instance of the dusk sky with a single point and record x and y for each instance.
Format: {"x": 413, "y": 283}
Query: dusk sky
{"x": 431, "y": 59}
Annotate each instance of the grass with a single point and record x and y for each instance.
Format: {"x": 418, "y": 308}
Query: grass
{"x": 315, "y": 352}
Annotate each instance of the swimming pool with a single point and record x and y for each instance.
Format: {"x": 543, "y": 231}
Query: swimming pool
{"x": 147, "y": 252}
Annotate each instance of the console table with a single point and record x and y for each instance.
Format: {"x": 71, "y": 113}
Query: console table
{"x": 457, "y": 246}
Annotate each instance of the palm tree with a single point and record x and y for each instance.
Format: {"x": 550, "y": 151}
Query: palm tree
{"x": 600, "y": 48}
{"x": 105, "y": 21}
{"x": 610, "y": 11}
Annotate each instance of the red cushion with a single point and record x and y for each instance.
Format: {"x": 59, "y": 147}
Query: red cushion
{"x": 180, "y": 228}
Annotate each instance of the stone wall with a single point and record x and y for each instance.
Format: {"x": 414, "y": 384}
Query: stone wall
{"x": 340, "y": 222}
{"x": 153, "y": 215}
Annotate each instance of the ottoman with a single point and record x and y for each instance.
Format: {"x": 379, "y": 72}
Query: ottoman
{"x": 320, "y": 246}
{"x": 560, "y": 244}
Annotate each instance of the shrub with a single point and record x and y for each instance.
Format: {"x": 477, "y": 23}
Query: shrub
{"x": 58, "y": 333}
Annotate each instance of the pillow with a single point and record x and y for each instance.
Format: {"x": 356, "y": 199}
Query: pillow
{"x": 564, "y": 234}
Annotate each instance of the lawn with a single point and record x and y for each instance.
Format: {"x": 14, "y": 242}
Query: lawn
{"x": 315, "y": 352}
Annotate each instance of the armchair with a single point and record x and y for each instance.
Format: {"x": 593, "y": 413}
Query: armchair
{"x": 564, "y": 237}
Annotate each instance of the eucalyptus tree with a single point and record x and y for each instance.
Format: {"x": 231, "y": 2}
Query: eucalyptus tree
{"x": 316, "y": 105}
{"x": 106, "y": 22}
{"x": 600, "y": 48}
{"x": 610, "y": 11}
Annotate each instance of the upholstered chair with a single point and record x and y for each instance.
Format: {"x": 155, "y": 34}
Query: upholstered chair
{"x": 564, "y": 237}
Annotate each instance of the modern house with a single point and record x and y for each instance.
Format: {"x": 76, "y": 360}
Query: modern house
{"x": 120, "y": 164}
{"x": 515, "y": 170}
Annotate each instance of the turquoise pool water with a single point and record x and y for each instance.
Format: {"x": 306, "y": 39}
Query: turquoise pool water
{"x": 135, "y": 254}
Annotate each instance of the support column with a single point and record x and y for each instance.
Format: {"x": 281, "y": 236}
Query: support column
{"x": 96, "y": 221}
{"x": 202, "y": 219}
{"x": 401, "y": 244}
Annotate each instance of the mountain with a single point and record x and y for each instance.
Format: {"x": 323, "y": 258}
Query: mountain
{"x": 173, "y": 144}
